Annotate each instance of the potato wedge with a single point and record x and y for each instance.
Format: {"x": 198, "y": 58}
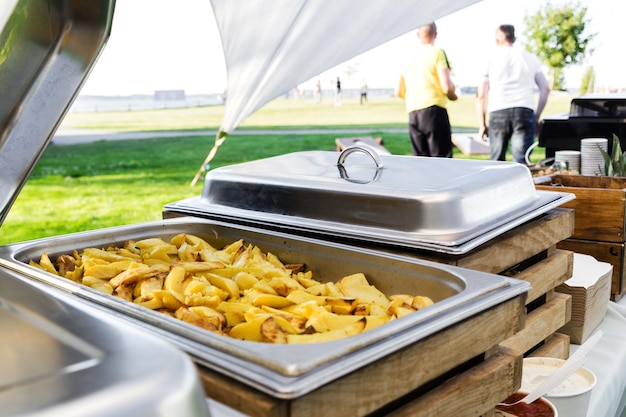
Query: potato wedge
{"x": 300, "y": 297}
{"x": 273, "y": 332}
{"x": 207, "y": 322}
{"x": 352, "y": 330}
{"x": 46, "y": 264}
{"x": 357, "y": 286}
{"x": 224, "y": 284}
{"x": 238, "y": 291}
{"x": 323, "y": 321}
{"x": 174, "y": 283}
{"x": 420, "y": 301}
{"x": 250, "y": 330}
{"x": 259, "y": 299}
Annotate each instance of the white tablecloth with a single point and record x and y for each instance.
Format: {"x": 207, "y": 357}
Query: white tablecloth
{"x": 608, "y": 361}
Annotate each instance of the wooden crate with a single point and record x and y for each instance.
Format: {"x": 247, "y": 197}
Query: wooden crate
{"x": 481, "y": 356}
{"x": 600, "y": 205}
{"x": 529, "y": 252}
{"x": 600, "y": 220}
{"x": 429, "y": 373}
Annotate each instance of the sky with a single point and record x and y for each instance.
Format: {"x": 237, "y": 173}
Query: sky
{"x": 175, "y": 45}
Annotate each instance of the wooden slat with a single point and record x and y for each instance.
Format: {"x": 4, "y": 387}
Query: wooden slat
{"x": 376, "y": 143}
{"x": 555, "y": 346}
{"x": 514, "y": 246}
{"x": 521, "y": 243}
{"x": 547, "y": 274}
{"x": 541, "y": 323}
{"x": 472, "y": 393}
{"x": 239, "y": 396}
{"x": 361, "y": 392}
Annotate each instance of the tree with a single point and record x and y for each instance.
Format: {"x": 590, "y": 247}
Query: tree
{"x": 559, "y": 37}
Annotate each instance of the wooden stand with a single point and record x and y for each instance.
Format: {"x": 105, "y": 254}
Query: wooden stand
{"x": 480, "y": 357}
{"x": 529, "y": 252}
{"x": 427, "y": 375}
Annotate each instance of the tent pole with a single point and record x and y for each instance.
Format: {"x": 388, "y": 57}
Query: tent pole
{"x": 220, "y": 137}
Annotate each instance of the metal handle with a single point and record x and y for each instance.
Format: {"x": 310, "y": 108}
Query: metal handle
{"x": 366, "y": 150}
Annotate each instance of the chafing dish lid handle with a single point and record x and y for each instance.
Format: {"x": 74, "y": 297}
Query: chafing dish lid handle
{"x": 366, "y": 149}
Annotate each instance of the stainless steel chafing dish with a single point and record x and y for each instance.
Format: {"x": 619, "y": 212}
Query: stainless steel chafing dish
{"x": 288, "y": 371}
{"x": 435, "y": 204}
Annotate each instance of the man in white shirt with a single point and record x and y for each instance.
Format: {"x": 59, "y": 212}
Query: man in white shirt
{"x": 507, "y": 93}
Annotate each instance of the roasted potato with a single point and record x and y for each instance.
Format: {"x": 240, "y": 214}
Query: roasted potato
{"x": 237, "y": 291}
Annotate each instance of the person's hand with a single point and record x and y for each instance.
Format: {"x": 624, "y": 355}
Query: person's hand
{"x": 537, "y": 121}
{"x": 483, "y": 132}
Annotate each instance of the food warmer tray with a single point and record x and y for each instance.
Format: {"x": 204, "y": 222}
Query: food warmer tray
{"x": 63, "y": 357}
{"x": 286, "y": 371}
{"x": 434, "y": 204}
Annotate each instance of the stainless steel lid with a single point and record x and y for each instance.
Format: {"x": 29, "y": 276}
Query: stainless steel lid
{"x": 447, "y": 205}
{"x": 46, "y": 52}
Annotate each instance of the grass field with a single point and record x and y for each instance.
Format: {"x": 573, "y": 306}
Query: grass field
{"x": 284, "y": 113}
{"x": 109, "y": 183}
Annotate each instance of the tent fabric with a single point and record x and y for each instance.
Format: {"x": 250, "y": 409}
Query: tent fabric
{"x": 271, "y": 46}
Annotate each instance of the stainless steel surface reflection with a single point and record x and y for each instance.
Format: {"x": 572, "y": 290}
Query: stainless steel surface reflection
{"x": 47, "y": 49}
{"x": 62, "y": 357}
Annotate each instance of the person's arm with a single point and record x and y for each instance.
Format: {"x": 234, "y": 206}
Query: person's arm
{"x": 447, "y": 86}
{"x": 481, "y": 108}
{"x": 544, "y": 91}
{"x": 401, "y": 88}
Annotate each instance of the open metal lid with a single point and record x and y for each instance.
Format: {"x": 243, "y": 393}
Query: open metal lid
{"x": 47, "y": 49}
{"x": 437, "y": 204}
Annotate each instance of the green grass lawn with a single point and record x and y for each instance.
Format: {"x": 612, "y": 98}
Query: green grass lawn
{"x": 102, "y": 184}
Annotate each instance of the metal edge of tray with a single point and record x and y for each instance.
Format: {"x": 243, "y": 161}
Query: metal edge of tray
{"x": 454, "y": 244}
{"x": 250, "y": 362}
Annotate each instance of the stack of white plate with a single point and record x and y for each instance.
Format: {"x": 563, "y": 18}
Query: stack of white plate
{"x": 591, "y": 159}
{"x": 571, "y": 159}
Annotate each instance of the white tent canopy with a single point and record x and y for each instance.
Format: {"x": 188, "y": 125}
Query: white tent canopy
{"x": 272, "y": 46}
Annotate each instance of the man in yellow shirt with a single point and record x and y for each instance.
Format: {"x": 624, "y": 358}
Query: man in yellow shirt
{"x": 426, "y": 87}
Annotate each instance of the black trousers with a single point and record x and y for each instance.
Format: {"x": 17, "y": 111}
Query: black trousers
{"x": 430, "y": 132}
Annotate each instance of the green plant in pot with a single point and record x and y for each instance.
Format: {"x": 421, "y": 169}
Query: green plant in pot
{"x": 615, "y": 162}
